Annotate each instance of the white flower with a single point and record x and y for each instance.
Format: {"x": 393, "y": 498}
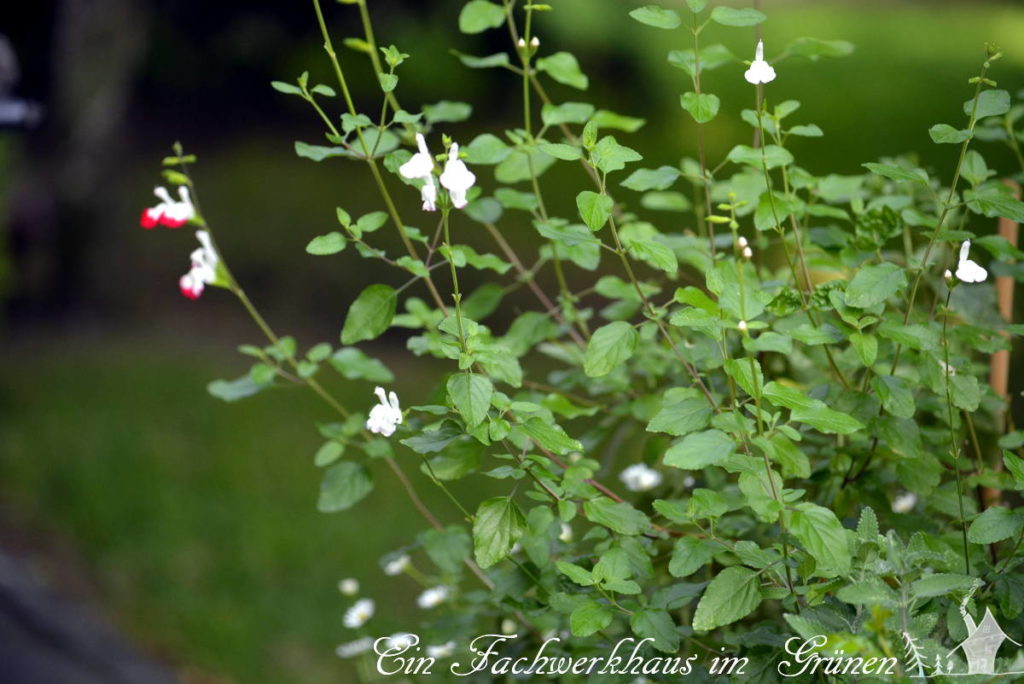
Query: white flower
{"x": 421, "y": 167}
{"x": 441, "y": 651}
{"x": 457, "y": 178}
{"x": 640, "y": 478}
{"x": 354, "y": 648}
{"x": 348, "y": 586}
{"x": 385, "y": 416}
{"x": 433, "y": 597}
{"x": 169, "y": 212}
{"x": 760, "y": 71}
{"x": 359, "y": 613}
{"x": 688, "y": 481}
{"x": 565, "y": 536}
{"x": 742, "y": 242}
{"x": 204, "y": 268}
{"x": 748, "y": 253}
{"x": 947, "y": 368}
{"x": 400, "y": 641}
{"x": 396, "y": 566}
{"x": 967, "y": 270}
{"x": 742, "y": 325}
{"x": 508, "y": 626}
{"x": 904, "y": 503}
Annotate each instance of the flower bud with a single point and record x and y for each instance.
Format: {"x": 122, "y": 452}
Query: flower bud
{"x": 742, "y": 325}
{"x": 742, "y": 242}
{"x": 748, "y": 253}
{"x": 521, "y": 44}
{"x": 948, "y": 276}
{"x": 535, "y": 42}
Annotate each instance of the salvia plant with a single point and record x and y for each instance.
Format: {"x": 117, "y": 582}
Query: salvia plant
{"x": 760, "y": 403}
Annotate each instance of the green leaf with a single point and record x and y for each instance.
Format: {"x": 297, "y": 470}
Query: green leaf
{"x": 328, "y": 453}
{"x": 697, "y": 6}
{"x": 319, "y": 152}
{"x": 652, "y": 179}
{"x": 499, "y": 59}
{"x": 479, "y": 15}
{"x": 866, "y": 347}
{"x": 826, "y": 420}
{"x": 497, "y": 526}
{"x": 689, "y": 555}
{"x": 995, "y": 524}
{"x": 486, "y": 149}
{"x": 606, "y": 119}
{"x": 732, "y": 595}
{"x": 609, "y": 346}
{"x": 655, "y": 254}
{"x": 566, "y": 113}
{"x": 703, "y": 107}
{"x": 896, "y": 396}
{"x": 564, "y": 68}
{"x": 897, "y": 173}
{"x": 608, "y": 155}
{"x": 353, "y": 364}
{"x": 822, "y": 535}
{"x": 388, "y": 82}
{"x": 990, "y": 103}
{"x": 658, "y": 17}
{"x": 589, "y": 617}
{"x": 331, "y": 243}
{"x": 1015, "y": 466}
{"x": 681, "y": 413}
{"x": 656, "y": 624}
{"x": 447, "y": 111}
{"x": 700, "y": 449}
{"x": 471, "y": 395}
{"x": 233, "y": 390}
{"x": 561, "y": 151}
{"x": 343, "y": 486}
{"x": 995, "y": 202}
{"x": 447, "y": 547}
{"x": 617, "y": 516}
{"x": 749, "y": 380}
{"x": 941, "y": 584}
{"x": 874, "y": 284}
{"x": 974, "y": 168}
{"x": 774, "y": 155}
{"x": 577, "y": 574}
{"x": 370, "y": 315}
{"x": 594, "y": 209}
{"x": 550, "y": 436}
{"x": 286, "y": 88}
{"x": 730, "y": 16}
{"x": 871, "y": 592}
{"x": 944, "y": 133}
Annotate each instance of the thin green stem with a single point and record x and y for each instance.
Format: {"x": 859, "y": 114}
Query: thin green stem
{"x": 954, "y": 442}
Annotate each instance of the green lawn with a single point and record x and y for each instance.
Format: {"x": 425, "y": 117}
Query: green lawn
{"x": 196, "y": 518}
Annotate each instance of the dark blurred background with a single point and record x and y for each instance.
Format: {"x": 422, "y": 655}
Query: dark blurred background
{"x": 190, "y": 523}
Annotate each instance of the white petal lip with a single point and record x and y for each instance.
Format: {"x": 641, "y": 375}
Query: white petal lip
{"x": 760, "y": 71}
{"x": 385, "y": 416}
{"x": 360, "y": 612}
{"x": 421, "y": 165}
{"x": 639, "y": 478}
{"x": 457, "y": 178}
{"x": 968, "y": 271}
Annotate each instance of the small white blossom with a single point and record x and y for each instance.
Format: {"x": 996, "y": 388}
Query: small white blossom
{"x": 385, "y": 416}
{"x": 354, "y": 648}
{"x": 521, "y": 44}
{"x": 457, "y": 178}
{"x": 947, "y": 275}
{"x": 535, "y": 42}
{"x": 349, "y": 586}
{"x": 565, "y": 536}
{"x": 433, "y": 597}
{"x": 748, "y": 253}
{"x": 742, "y": 242}
{"x": 640, "y": 478}
{"x": 400, "y": 641}
{"x": 204, "y": 267}
{"x": 444, "y": 650}
{"x": 760, "y": 71}
{"x": 904, "y": 503}
{"x": 421, "y": 167}
{"x": 508, "y": 626}
{"x": 359, "y": 613}
{"x": 688, "y": 481}
{"x": 966, "y": 270}
{"x": 396, "y": 566}
{"x": 742, "y": 325}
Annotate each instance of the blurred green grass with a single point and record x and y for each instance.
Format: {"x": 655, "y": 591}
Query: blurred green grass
{"x": 198, "y": 519}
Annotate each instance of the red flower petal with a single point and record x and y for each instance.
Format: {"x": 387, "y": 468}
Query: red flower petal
{"x": 149, "y": 219}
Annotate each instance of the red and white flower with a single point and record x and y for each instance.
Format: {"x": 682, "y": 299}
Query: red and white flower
{"x": 204, "y": 267}
{"x": 169, "y": 212}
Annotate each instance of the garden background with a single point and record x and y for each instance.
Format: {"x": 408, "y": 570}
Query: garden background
{"x": 190, "y": 523}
